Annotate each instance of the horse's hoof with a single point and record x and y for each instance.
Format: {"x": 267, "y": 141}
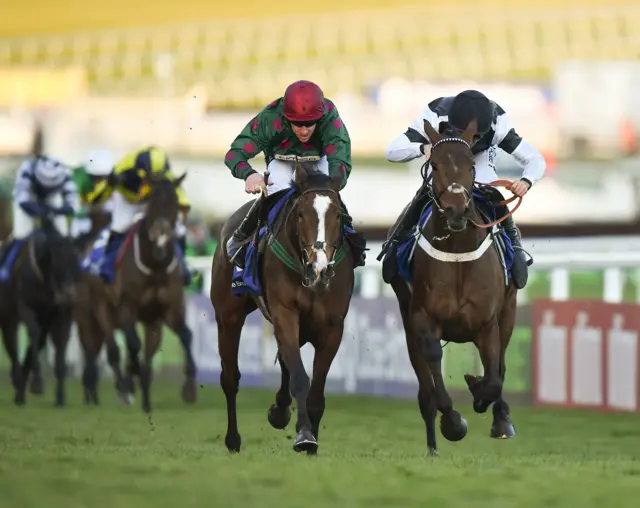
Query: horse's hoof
{"x": 480, "y": 406}
{"x": 233, "y": 443}
{"x": 126, "y": 398}
{"x": 146, "y": 408}
{"x": 59, "y": 403}
{"x": 189, "y": 392}
{"x": 432, "y": 452}
{"x": 19, "y": 399}
{"x": 502, "y": 429}
{"x": 279, "y": 417}
{"x": 473, "y": 383}
{"x": 36, "y": 387}
{"x": 305, "y": 442}
{"x": 453, "y": 426}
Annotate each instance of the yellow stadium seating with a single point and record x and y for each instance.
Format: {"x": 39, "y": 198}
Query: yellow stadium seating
{"x": 245, "y": 63}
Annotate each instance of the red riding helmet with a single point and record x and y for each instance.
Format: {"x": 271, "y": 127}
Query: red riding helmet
{"x": 303, "y": 102}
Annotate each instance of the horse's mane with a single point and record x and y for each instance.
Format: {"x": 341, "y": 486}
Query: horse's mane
{"x": 315, "y": 180}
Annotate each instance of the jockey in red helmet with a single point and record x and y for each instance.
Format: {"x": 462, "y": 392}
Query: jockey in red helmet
{"x": 301, "y": 125}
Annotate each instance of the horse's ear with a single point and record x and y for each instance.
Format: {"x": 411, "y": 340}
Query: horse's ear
{"x": 470, "y": 131}
{"x": 178, "y": 181}
{"x": 301, "y": 177}
{"x": 433, "y": 135}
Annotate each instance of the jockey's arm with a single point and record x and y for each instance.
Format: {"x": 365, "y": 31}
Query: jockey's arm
{"x": 410, "y": 144}
{"x": 70, "y": 197}
{"x": 23, "y": 194}
{"x": 336, "y": 145}
{"x": 528, "y": 157}
{"x": 254, "y": 138}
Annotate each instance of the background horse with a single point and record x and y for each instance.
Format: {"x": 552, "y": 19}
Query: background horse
{"x": 459, "y": 294}
{"x": 148, "y": 289}
{"x": 307, "y": 289}
{"x": 44, "y": 284}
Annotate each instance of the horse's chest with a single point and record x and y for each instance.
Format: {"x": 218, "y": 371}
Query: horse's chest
{"x": 470, "y": 311}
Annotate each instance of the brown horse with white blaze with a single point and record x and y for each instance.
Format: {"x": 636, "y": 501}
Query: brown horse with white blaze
{"x": 459, "y": 294}
{"x": 307, "y": 276}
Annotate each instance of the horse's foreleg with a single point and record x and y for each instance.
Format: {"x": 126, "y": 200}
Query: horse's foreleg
{"x": 488, "y": 389}
{"x": 152, "y": 338}
{"x": 123, "y": 386}
{"x": 31, "y": 362}
{"x": 287, "y": 328}
{"x": 60, "y": 329}
{"x": 426, "y": 395}
{"x": 452, "y": 425}
{"x": 134, "y": 344}
{"x": 10, "y": 339}
{"x": 323, "y": 358}
{"x": 91, "y": 351}
{"x": 279, "y": 413}
{"x": 229, "y": 327}
{"x": 181, "y": 329}
{"x": 502, "y": 427}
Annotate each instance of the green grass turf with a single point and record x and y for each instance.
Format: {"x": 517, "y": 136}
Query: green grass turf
{"x": 371, "y": 455}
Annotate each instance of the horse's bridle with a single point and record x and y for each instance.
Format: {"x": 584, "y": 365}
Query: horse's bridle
{"x": 305, "y": 256}
{"x": 454, "y": 188}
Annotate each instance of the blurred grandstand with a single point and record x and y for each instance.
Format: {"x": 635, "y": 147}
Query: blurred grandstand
{"x": 243, "y": 63}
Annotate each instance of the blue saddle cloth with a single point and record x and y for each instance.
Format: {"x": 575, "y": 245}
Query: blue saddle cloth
{"x": 249, "y": 280}
{"x": 101, "y": 262}
{"x": 406, "y": 249}
{"x": 13, "y": 249}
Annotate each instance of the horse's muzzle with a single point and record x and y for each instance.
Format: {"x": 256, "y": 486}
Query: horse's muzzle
{"x": 456, "y": 221}
{"x": 66, "y": 295}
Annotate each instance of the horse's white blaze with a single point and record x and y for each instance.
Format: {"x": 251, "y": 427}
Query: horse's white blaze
{"x": 321, "y": 205}
{"x": 456, "y": 188}
{"x": 162, "y": 240}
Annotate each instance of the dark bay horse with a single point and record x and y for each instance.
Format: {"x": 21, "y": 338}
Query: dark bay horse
{"x": 459, "y": 294}
{"x": 148, "y": 289}
{"x": 307, "y": 276}
{"x": 42, "y": 290}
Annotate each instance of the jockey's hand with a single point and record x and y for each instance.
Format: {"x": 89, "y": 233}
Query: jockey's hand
{"x": 520, "y": 188}
{"x": 254, "y": 184}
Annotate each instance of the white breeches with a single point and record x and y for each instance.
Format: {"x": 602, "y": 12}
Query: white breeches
{"x": 23, "y": 223}
{"x": 486, "y": 165}
{"x": 80, "y": 226}
{"x": 281, "y": 173}
{"x": 124, "y": 215}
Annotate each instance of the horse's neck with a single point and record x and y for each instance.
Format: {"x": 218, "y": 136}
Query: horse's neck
{"x": 144, "y": 246}
{"x": 443, "y": 239}
{"x": 288, "y": 234}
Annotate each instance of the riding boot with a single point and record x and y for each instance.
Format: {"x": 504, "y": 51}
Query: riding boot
{"x": 355, "y": 240}
{"x": 404, "y": 228}
{"x": 520, "y": 268}
{"x": 5, "y": 247}
{"x": 111, "y": 244}
{"x": 237, "y": 243}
